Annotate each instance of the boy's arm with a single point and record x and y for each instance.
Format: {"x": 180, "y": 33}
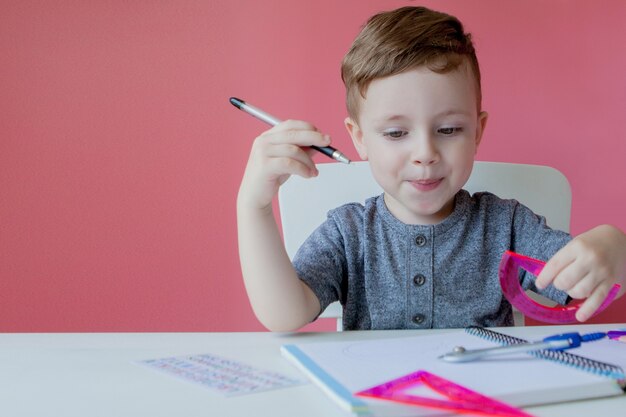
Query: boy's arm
{"x": 587, "y": 267}
{"x": 280, "y": 300}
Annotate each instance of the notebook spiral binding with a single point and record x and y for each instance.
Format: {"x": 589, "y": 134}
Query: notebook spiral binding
{"x": 559, "y": 356}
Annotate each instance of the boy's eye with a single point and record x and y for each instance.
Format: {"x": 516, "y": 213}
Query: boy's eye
{"x": 395, "y": 134}
{"x": 448, "y": 131}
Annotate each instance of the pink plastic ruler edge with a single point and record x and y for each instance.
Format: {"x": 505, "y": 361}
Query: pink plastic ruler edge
{"x": 513, "y": 291}
{"x": 459, "y": 399}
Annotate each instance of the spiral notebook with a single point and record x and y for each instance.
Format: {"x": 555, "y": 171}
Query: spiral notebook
{"x": 343, "y": 368}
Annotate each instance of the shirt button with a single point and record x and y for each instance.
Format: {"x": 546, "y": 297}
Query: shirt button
{"x": 419, "y": 280}
{"x": 418, "y": 319}
{"x": 420, "y": 240}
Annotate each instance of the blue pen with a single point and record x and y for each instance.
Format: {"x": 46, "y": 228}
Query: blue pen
{"x": 556, "y": 342}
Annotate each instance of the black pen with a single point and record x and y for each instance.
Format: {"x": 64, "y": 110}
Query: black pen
{"x": 271, "y": 120}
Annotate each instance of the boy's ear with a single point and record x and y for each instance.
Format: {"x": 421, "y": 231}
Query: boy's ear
{"x": 357, "y": 137}
{"x": 480, "y": 127}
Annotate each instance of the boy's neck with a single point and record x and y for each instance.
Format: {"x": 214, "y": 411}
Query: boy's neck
{"x": 422, "y": 220}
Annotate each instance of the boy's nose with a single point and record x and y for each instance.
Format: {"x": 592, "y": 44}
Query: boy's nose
{"x": 425, "y": 152}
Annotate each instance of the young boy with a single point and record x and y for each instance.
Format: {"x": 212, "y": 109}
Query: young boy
{"x": 425, "y": 253}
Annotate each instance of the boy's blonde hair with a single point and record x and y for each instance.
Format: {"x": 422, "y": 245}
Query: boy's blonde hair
{"x": 399, "y": 40}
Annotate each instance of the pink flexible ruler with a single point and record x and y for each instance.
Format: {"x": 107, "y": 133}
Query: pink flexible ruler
{"x": 513, "y": 291}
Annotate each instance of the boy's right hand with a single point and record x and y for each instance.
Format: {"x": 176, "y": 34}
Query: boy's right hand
{"x": 276, "y": 154}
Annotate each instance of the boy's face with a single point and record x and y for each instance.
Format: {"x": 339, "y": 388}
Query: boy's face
{"x": 420, "y": 131}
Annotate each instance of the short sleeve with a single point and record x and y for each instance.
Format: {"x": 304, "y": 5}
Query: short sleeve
{"x": 533, "y": 237}
{"x": 321, "y": 262}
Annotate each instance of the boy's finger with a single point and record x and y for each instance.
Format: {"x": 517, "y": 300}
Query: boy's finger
{"x": 568, "y": 277}
{"x": 293, "y": 125}
{"x": 291, "y": 166}
{"x": 561, "y": 260}
{"x": 302, "y": 154}
{"x": 584, "y": 287}
{"x": 299, "y": 137}
{"x": 592, "y": 303}
{"x": 310, "y": 152}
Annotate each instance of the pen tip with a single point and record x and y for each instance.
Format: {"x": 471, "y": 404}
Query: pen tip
{"x": 342, "y": 158}
{"x": 236, "y": 102}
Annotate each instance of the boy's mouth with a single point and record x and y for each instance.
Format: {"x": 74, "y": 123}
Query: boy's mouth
{"x": 426, "y": 184}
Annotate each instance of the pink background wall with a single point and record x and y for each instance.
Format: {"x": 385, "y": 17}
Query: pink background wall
{"x": 120, "y": 156}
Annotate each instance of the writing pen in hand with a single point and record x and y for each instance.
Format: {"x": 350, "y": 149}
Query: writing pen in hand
{"x": 271, "y": 120}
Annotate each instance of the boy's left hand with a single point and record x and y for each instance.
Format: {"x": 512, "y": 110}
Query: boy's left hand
{"x": 588, "y": 267}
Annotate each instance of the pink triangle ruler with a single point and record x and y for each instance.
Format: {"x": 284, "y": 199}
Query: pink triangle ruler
{"x": 513, "y": 291}
{"x": 458, "y": 398}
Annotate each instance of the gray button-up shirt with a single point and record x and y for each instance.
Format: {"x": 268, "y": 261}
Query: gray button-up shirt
{"x": 390, "y": 275}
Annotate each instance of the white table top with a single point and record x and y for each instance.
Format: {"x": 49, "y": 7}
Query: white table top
{"x": 95, "y": 374}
